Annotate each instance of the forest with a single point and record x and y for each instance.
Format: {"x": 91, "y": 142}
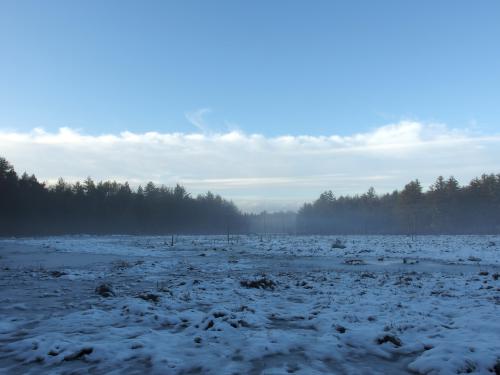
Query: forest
{"x": 30, "y": 207}
{"x": 445, "y": 208}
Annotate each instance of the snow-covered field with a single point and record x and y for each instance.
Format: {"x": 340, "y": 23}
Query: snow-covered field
{"x": 250, "y": 305}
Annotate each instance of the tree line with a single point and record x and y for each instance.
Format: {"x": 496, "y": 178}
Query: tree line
{"x": 445, "y": 208}
{"x": 29, "y": 207}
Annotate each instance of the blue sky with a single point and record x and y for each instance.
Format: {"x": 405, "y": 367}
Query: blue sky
{"x": 273, "y": 68}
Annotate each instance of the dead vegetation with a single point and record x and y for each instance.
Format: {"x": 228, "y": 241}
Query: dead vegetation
{"x": 354, "y": 262}
{"x": 151, "y": 297}
{"x": 57, "y": 274}
{"x": 410, "y": 261}
{"x": 340, "y": 329}
{"x": 105, "y": 290}
{"x": 260, "y": 283}
{"x": 338, "y": 244}
{"x": 496, "y": 368}
{"x": 121, "y": 265}
{"x": 79, "y": 354}
{"x": 474, "y": 259}
{"x": 389, "y": 338}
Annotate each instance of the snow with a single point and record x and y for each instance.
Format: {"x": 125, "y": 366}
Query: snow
{"x": 427, "y": 305}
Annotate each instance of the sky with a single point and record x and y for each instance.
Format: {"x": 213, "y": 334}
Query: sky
{"x": 268, "y": 103}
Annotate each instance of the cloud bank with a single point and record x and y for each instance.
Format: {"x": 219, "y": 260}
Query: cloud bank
{"x": 259, "y": 172}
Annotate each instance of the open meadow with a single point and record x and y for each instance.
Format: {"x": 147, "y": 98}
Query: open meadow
{"x": 270, "y": 304}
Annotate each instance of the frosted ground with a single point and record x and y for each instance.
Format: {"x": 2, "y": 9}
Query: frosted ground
{"x": 253, "y": 305}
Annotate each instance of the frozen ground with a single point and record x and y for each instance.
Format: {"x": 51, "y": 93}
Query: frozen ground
{"x": 270, "y": 305}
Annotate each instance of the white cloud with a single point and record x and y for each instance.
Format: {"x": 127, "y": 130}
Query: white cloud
{"x": 251, "y": 168}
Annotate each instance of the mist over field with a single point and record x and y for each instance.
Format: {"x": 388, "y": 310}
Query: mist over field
{"x": 107, "y": 207}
